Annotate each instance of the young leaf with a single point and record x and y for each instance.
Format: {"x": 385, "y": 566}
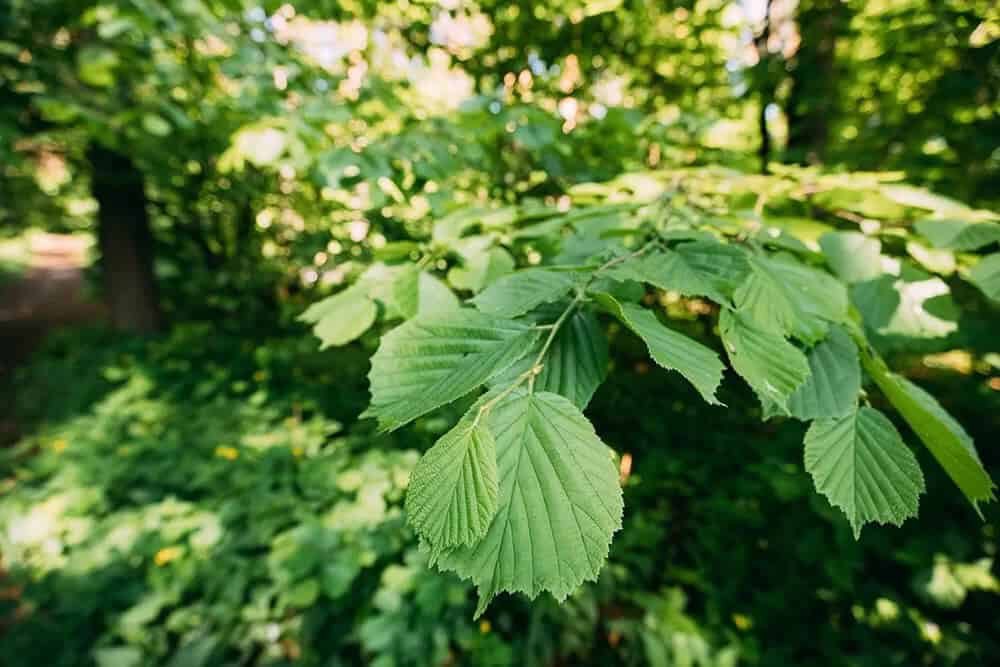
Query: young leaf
{"x": 772, "y": 366}
{"x": 853, "y": 256}
{"x": 429, "y": 361}
{"x": 672, "y": 350}
{"x": 452, "y": 495}
{"x": 941, "y": 434}
{"x": 341, "y": 318}
{"x": 859, "y": 462}
{"x": 986, "y": 275}
{"x": 482, "y": 264}
{"x": 517, "y": 293}
{"x": 834, "y": 379}
{"x": 559, "y": 503}
{"x": 575, "y": 365}
{"x": 699, "y": 268}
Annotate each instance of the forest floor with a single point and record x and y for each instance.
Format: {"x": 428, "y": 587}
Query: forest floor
{"x": 49, "y": 292}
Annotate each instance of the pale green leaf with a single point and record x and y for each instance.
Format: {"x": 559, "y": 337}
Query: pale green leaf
{"x": 339, "y": 319}
{"x": 559, "y": 504}
{"x": 834, "y": 379}
{"x": 482, "y": 265}
{"x": 859, "y": 462}
{"x": 452, "y": 495}
{"x": 517, "y": 293}
{"x": 427, "y": 362}
{"x": 914, "y": 306}
{"x": 853, "y": 256}
{"x": 672, "y": 350}
{"x": 941, "y": 434}
{"x": 784, "y": 296}
{"x": 986, "y": 275}
{"x": 772, "y": 366}
{"x": 415, "y": 292}
{"x": 700, "y": 268}
{"x": 959, "y": 234}
{"x": 575, "y": 364}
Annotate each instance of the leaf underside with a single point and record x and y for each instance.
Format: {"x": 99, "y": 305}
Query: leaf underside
{"x": 859, "y": 462}
{"x": 559, "y": 503}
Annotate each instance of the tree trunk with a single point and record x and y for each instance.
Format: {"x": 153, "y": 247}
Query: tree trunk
{"x": 766, "y": 87}
{"x": 125, "y": 242}
{"x": 813, "y": 94}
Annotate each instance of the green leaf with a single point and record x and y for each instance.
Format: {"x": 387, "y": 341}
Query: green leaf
{"x": 560, "y": 502}
{"x": 415, "y": 292}
{"x": 517, "y": 293}
{"x": 341, "y": 318}
{"x": 986, "y": 275}
{"x": 772, "y": 366}
{"x": 481, "y": 266}
{"x": 914, "y": 306}
{"x": 429, "y": 361}
{"x": 672, "y": 350}
{"x": 699, "y": 268}
{"x": 941, "y": 434}
{"x": 452, "y": 495}
{"x": 785, "y": 296}
{"x": 853, "y": 256}
{"x": 575, "y": 364}
{"x": 859, "y": 462}
{"x": 834, "y": 379}
{"x": 958, "y": 234}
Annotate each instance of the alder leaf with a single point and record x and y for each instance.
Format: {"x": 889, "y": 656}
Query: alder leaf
{"x": 339, "y": 319}
{"x": 986, "y": 275}
{"x": 772, "y": 366}
{"x": 452, "y": 495}
{"x": 517, "y": 293}
{"x": 672, "y": 350}
{"x": 429, "y": 361}
{"x": 785, "y": 296}
{"x": 941, "y": 434}
{"x": 575, "y": 364}
{"x": 700, "y": 268}
{"x": 958, "y": 234}
{"x": 859, "y": 462}
{"x": 559, "y": 504}
{"x": 834, "y": 381}
{"x": 853, "y": 256}
{"x": 415, "y": 292}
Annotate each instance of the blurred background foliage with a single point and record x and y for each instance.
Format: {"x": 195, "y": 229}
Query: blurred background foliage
{"x": 205, "y": 495}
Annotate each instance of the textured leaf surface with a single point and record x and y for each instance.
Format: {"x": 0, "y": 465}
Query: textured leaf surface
{"x": 517, "y": 293}
{"x": 986, "y": 276}
{"x": 941, "y": 434}
{"x": 859, "y": 462}
{"x": 699, "y": 268}
{"x": 834, "y": 381}
{"x": 772, "y": 366}
{"x": 784, "y": 296}
{"x": 427, "y": 362}
{"x": 559, "y": 504}
{"x": 452, "y": 495}
{"x": 341, "y": 318}
{"x": 575, "y": 365}
{"x": 853, "y": 256}
{"x": 958, "y": 234}
{"x": 672, "y": 350}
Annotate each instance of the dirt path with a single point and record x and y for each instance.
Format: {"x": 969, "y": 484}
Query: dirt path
{"x": 50, "y": 294}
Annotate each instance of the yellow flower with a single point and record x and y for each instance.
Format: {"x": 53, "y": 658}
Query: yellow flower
{"x": 485, "y": 627}
{"x": 165, "y": 555}
{"x": 228, "y": 453}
